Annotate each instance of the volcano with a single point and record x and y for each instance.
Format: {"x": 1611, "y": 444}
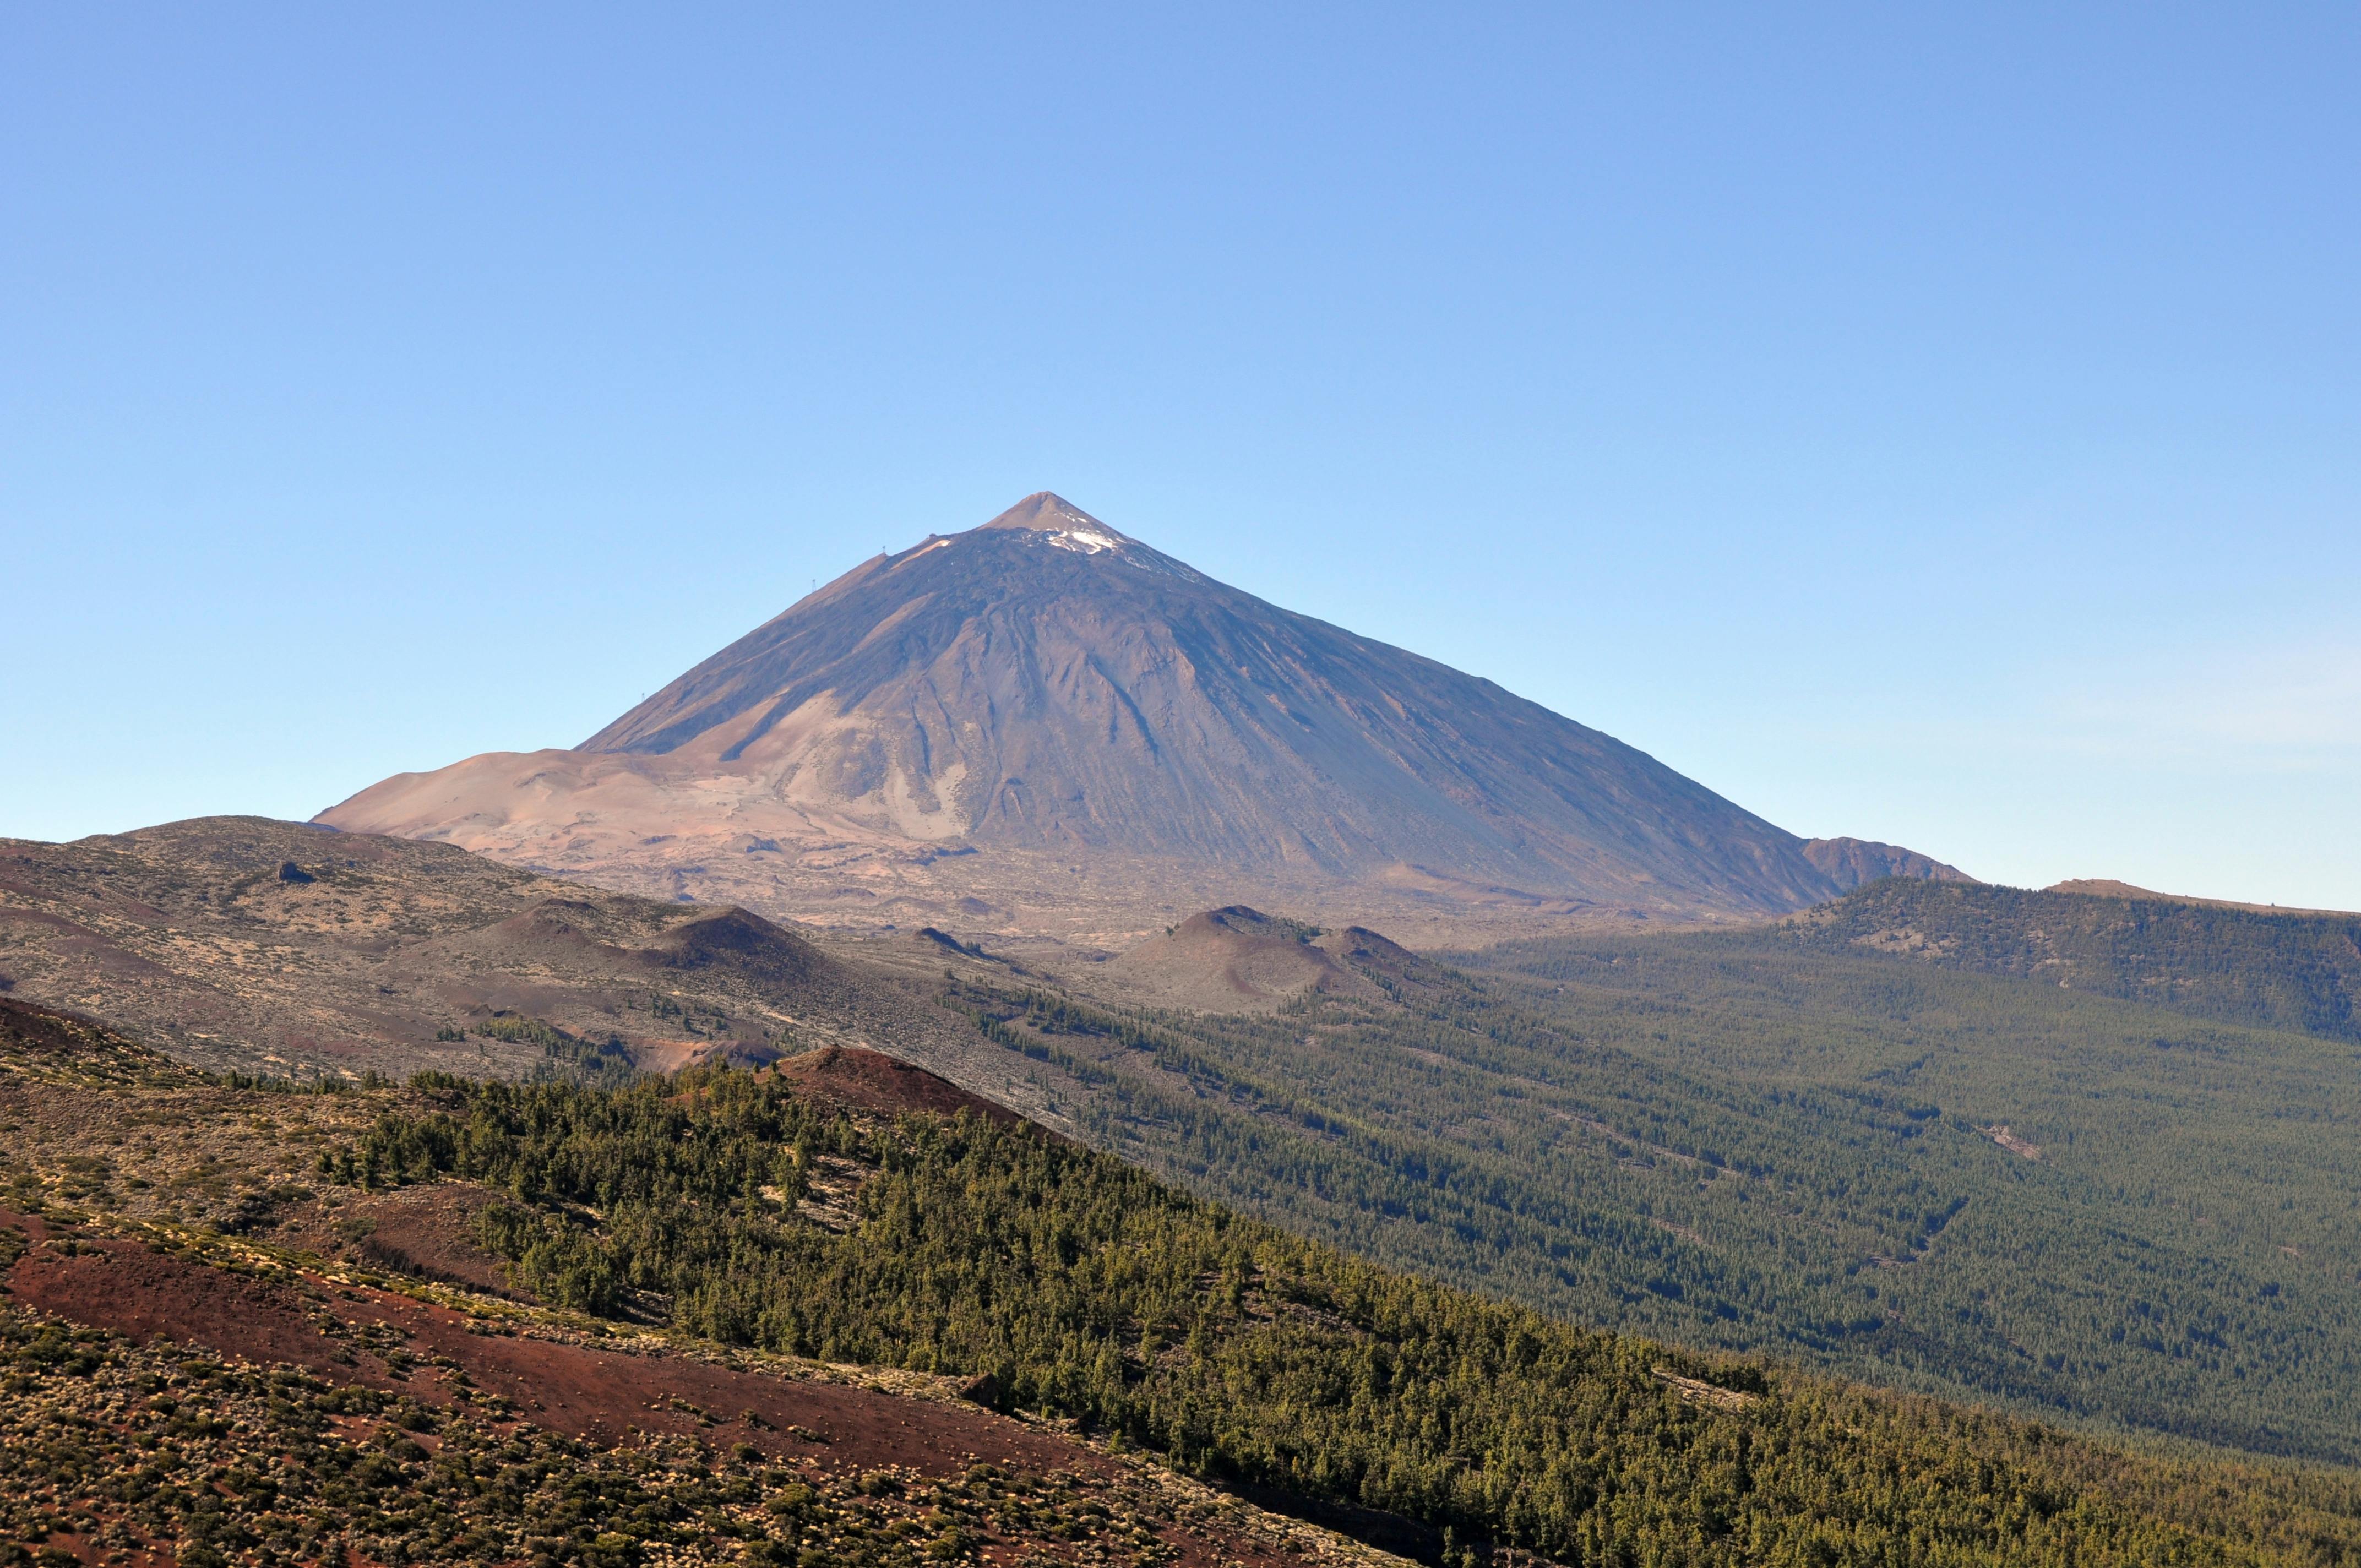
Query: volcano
{"x": 1043, "y": 724}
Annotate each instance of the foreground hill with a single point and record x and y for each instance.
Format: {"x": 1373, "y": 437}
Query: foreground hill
{"x": 1041, "y": 725}
{"x": 227, "y": 1357}
{"x": 2278, "y": 969}
{"x": 673, "y": 1252}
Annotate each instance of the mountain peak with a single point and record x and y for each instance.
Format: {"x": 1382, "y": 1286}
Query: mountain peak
{"x": 1045, "y": 511}
{"x": 1042, "y": 689}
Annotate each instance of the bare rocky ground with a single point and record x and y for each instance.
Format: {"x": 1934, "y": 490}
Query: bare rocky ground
{"x": 210, "y": 1352}
{"x": 842, "y": 880}
{"x": 283, "y": 951}
{"x": 1235, "y": 959}
{"x": 276, "y": 948}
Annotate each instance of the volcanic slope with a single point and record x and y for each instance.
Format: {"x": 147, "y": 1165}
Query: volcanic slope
{"x": 239, "y": 943}
{"x": 1968, "y": 1183}
{"x": 226, "y": 1338}
{"x": 2281, "y": 969}
{"x": 1032, "y": 1356}
{"x": 1974, "y": 1184}
{"x": 1044, "y": 726}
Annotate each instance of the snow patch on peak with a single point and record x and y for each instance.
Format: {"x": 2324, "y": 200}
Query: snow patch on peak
{"x": 1090, "y": 542}
{"x": 929, "y": 544}
{"x": 1047, "y": 518}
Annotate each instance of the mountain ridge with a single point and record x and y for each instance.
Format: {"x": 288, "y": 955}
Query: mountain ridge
{"x": 2241, "y": 963}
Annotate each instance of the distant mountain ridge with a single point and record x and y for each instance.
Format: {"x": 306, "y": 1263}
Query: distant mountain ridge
{"x": 2239, "y": 963}
{"x": 1856, "y": 863}
{"x": 1047, "y": 687}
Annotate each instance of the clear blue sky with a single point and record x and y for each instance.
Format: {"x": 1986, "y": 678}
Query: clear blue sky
{"x": 1940, "y": 424}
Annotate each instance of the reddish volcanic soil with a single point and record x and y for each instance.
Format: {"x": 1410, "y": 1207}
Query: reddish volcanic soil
{"x": 872, "y": 1080}
{"x": 600, "y": 1396}
{"x": 426, "y": 1232}
{"x": 42, "y": 1028}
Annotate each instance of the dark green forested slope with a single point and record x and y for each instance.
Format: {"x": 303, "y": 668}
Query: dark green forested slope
{"x": 1088, "y": 1288}
{"x": 1954, "y": 1182}
{"x": 2244, "y": 965}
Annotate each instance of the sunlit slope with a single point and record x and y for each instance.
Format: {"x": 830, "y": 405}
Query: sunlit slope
{"x": 2292, "y": 969}
{"x": 1042, "y": 709}
{"x": 244, "y": 1353}
{"x": 1944, "y": 1180}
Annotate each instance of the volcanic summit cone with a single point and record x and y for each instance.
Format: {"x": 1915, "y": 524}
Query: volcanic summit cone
{"x": 1043, "y": 725}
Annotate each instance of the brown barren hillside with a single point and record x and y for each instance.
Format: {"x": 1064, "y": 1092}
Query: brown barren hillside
{"x": 1044, "y": 727}
{"x": 882, "y": 1085}
{"x": 1231, "y": 960}
{"x": 281, "y": 948}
